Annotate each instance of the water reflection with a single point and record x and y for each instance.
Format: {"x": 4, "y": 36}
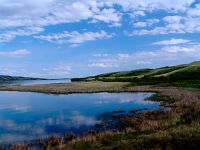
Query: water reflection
{"x": 15, "y": 107}
{"x": 28, "y": 116}
{"x": 124, "y": 98}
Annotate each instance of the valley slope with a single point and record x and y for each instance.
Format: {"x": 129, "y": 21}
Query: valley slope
{"x": 180, "y": 75}
{"x": 5, "y": 78}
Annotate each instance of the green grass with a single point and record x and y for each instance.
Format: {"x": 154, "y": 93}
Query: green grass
{"x": 187, "y": 75}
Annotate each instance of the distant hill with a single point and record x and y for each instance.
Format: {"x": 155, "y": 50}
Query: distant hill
{"x": 178, "y": 75}
{"x": 4, "y": 78}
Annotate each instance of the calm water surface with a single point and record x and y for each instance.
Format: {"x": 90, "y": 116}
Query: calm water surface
{"x": 32, "y": 82}
{"x": 29, "y": 116}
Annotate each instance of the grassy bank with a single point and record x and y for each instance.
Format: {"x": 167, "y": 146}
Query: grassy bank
{"x": 177, "y": 127}
{"x": 67, "y": 88}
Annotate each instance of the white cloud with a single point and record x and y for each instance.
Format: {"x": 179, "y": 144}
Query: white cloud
{"x": 146, "y": 23}
{"x": 102, "y": 65}
{"x": 150, "y": 5}
{"x": 59, "y": 70}
{"x": 188, "y": 22}
{"x": 172, "y": 42}
{"x": 109, "y": 16}
{"x": 172, "y": 19}
{"x": 194, "y": 12}
{"x": 75, "y": 38}
{"x": 17, "y": 54}
{"x": 15, "y": 13}
{"x": 11, "y": 34}
{"x": 142, "y": 62}
{"x": 180, "y": 49}
{"x": 40, "y": 13}
{"x": 170, "y": 55}
{"x": 12, "y": 69}
{"x": 123, "y": 56}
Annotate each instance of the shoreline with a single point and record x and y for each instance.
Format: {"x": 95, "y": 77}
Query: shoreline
{"x": 89, "y": 87}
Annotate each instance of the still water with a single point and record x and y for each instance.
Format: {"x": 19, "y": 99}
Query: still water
{"x": 28, "y": 116}
{"x": 33, "y": 82}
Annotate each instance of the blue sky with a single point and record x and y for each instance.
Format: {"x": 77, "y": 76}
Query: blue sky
{"x": 75, "y": 38}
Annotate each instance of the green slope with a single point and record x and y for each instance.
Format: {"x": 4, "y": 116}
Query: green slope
{"x": 4, "y": 78}
{"x": 180, "y": 74}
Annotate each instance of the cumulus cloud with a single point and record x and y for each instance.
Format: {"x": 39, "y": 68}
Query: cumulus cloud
{"x": 172, "y": 42}
{"x": 102, "y": 65}
{"x": 188, "y": 22}
{"x": 150, "y": 5}
{"x": 75, "y": 38}
{"x": 146, "y": 23}
{"x": 168, "y": 54}
{"x": 51, "y": 12}
{"x": 110, "y": 16}
{"x": 17, "y": 54}
{"x": 41, "y": 13}
{"x": 9, "y": 35}
{"x": 194, "y": 12}
{"x": 47, "y": 12}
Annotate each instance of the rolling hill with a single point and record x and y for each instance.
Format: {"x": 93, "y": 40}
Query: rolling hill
{"x": 4, "y": 78}
{"x": 177, "y": 75}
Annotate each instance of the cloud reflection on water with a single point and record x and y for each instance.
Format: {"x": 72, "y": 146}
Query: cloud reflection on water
{"x": 105, "y": 98}
{"x": 18, "y": 132}
{"x": 25, "y": 116}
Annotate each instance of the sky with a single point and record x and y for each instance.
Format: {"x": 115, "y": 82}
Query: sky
{"x": 76, "y": 38}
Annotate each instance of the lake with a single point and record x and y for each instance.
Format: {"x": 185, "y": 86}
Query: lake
{"x": 27, "y": 116}
{"x": 33, "y": 82}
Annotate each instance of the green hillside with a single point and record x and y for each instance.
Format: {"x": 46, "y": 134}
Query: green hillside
{"x": 186, "y": 74}
{"x": 4, "y": 78}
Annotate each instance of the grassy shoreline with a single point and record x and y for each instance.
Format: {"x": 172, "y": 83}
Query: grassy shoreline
{"x": 89, "y": 87}
{"x": 174, "y": 128}
{"x": 69, "y": 88}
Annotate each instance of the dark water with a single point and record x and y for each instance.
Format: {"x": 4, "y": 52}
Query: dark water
{"x": 29, "y": 116}
{"x": 32, "y": 82}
